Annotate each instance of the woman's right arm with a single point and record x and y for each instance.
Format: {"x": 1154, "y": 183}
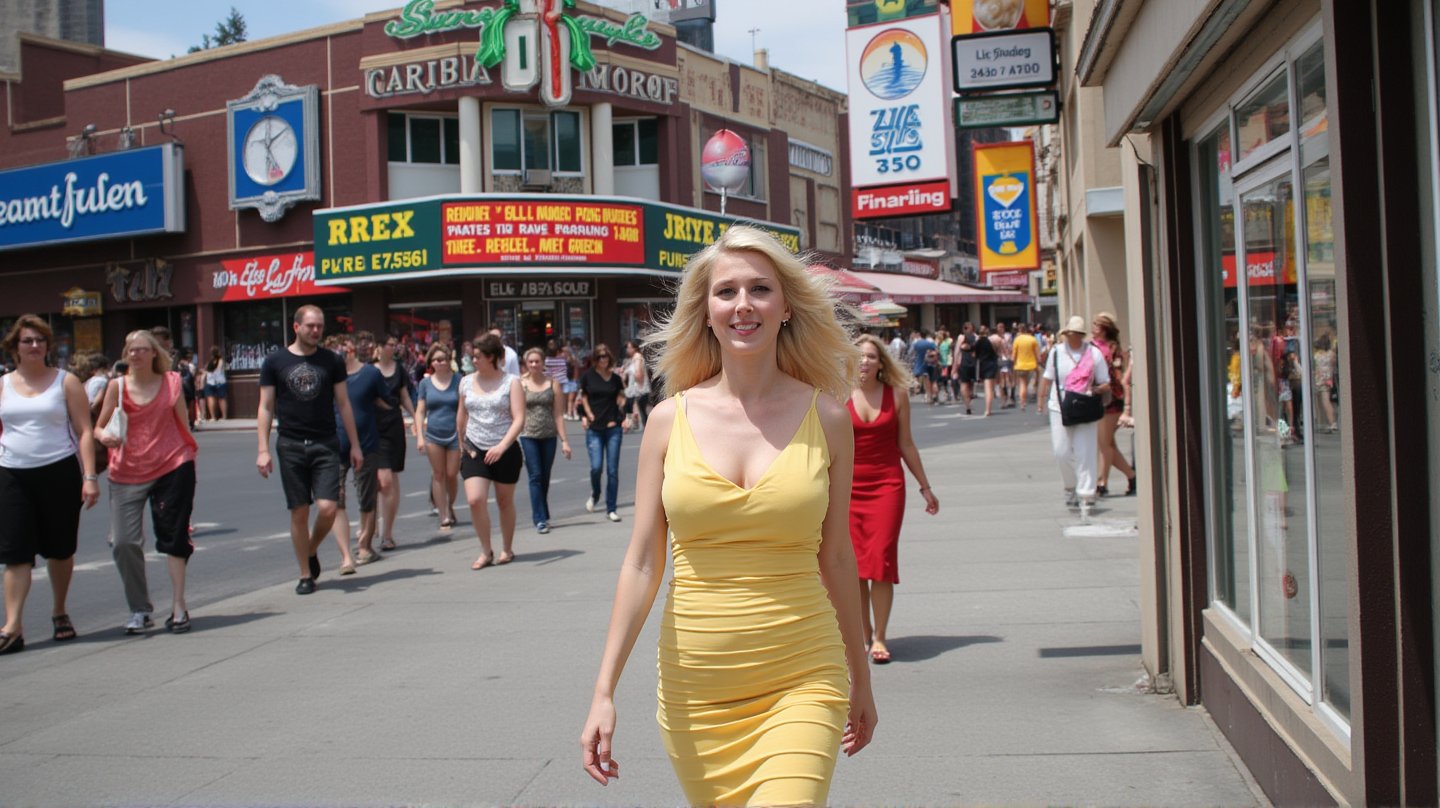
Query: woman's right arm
{"x": 640, "y": 577}
{"x": 418, "y": 422}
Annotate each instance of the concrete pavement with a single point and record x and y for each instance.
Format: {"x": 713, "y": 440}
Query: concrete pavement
{"x": 420, "y": 682}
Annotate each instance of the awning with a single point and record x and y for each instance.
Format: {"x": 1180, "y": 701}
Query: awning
{"x": 913, "y": 289}
{"x": 846, "y": 286}
{"x": 885, "y": 306}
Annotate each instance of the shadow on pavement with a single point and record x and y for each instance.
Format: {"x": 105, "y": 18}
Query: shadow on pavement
{"x": 360, "y": 583}
{"x": 547, "y": 556}
{"x": 929, "y": 646}
{"x": 198, "y": 622}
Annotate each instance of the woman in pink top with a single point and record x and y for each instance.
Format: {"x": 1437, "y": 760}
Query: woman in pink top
{"x": 156, "y": 464}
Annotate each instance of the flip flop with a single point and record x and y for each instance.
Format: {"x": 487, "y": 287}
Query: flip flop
{"x": 388, "y": 544}
{"x": 505, "y": 558}
{"x": 64, "y": 629}
{"x": 879, "y": 656}
{"x": 482, "y": 562}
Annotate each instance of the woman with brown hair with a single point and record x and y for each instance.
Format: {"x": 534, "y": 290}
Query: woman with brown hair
{"x": 491, "y": 415}
{"x": 154, "y": 463}
{"x": 880, "y": 418}
{"x": 44, "y": 425}
{"x": 436, "y": 401}
{"x": 1106, "y": 336}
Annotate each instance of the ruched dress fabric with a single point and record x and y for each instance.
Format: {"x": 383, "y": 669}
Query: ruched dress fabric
{"x": 877, "y": 498}
{"x": 753, "y": 692}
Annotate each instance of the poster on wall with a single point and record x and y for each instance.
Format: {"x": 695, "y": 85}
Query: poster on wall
{"x": 900, "y": 133}
{"x": 983, "y": 16}
{"x": 1005, "y": 210}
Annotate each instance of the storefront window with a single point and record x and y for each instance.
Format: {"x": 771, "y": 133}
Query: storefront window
{"x": 637, "y": 317}
{"x": 537, "y": 140}
{"x": 567, "y": 141}
{"x": 428, "y": 139}
{"x": 505, "y": 139}
{"x": 252, "y": 331}
{"x": 1264, "y": 117}
{"x": 636, "y": 143}
{"x": 1331, "y": 535}
{"x": 1279, "y": 546}
{"x": 1231, "y": 503}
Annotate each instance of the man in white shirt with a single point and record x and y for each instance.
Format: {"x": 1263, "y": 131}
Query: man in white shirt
{"x": 512, "y": 359}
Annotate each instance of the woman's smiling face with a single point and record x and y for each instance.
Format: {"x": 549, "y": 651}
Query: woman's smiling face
{"x": 746, "y": 305}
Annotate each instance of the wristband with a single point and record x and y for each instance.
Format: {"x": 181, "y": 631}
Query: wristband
{"x": 91, "y": 478}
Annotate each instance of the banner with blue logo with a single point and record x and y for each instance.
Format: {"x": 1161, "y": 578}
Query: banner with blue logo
{"x": 117, "y": 195}
{"x": 1005, "y": 205}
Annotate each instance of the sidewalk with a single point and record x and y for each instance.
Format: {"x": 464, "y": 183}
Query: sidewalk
{"x": 418, "y": 681}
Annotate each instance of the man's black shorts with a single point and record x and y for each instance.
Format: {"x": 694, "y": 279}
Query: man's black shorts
{"x": 309, "y": 470}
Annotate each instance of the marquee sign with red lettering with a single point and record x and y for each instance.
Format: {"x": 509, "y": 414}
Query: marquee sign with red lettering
{"x": 489, "y": 234}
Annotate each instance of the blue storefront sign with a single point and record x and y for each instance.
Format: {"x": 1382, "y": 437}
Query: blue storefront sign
{"x": 118, "y": 195}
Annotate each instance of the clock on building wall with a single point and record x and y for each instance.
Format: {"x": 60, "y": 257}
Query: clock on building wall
{"x": 274, "y": 140}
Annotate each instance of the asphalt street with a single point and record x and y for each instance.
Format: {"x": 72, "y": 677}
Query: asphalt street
{"x": 1016, "y": 677}
{"x": 242, "y": 534}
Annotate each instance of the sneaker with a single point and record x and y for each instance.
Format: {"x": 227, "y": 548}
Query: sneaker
{"x": 138, "y": 622}
{"x": 590, "y": 505}
{"x": 543, "y": 527}
{"x": 305, "y": 587}
{"x": 1071, "y": 500}
{"x": 613, "y": 516}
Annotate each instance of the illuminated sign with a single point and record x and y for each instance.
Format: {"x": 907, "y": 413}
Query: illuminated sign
{"x": 1005, "y": 206}
{"x": 81, "y": 303}
{"x": 118, "y": 195}
{"x": 502, "y": 234}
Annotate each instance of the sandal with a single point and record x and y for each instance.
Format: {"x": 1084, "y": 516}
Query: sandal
{"x": 482, "y": 562}
{"x": 504, "y": 558}
{"x": 447, "y": 523}
{"x": 64, "y": 629}
{"x": 879, "y": 656}
{"x": 11, "y": 643}
{"x": 388, "y": 544}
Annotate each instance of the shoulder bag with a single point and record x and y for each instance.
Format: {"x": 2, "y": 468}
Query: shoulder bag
{"x": 118, "y": 422}
{"x": 1076, "y": 408}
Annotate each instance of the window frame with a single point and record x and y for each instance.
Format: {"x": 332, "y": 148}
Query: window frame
{"x": 525, "y": 113}
{"x": 409, "y": 160}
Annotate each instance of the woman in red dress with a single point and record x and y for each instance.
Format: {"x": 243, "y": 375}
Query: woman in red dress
{"x": 881, "y": 418}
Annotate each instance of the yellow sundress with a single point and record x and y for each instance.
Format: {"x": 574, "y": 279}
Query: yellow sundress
{"x": 753, "y": 692}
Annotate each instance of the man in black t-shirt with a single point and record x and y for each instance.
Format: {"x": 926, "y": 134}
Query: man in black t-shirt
{"x": 304, "y": 384}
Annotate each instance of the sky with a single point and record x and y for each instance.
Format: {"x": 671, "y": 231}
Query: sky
{"x": 801, "y": 42}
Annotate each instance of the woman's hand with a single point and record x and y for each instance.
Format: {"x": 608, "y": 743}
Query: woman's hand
{"x": 420, "y": 443}
{"x": 565, "y": 448}
{"x": 90, "y": 493}
{"x": 860, "y": 726}
{"x": 595, "y": 742}
{"x": 932, "y": 505}
{"x": 494, "y": 453}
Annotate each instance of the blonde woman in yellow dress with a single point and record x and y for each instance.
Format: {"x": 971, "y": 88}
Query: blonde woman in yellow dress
{"x": 745, "y": 471}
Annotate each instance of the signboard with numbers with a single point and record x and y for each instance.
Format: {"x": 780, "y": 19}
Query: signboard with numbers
{"x": 899, "y": 136}
{"x": 488, "y": 234}
{"x": 1005, "y": 60}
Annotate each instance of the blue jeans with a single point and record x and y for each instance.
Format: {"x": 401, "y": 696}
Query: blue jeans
{"x": 539, "y": 457}
{"x": 604, "y": 447}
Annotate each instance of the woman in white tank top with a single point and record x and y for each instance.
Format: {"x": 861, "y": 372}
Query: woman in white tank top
{"x": 45, "y": 416}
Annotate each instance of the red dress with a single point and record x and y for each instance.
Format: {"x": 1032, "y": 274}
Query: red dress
{"x": 877, "y": 499}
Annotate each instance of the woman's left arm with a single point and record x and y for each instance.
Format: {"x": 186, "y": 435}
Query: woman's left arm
{"x": 840, "y": 576}
{"x": 78, "y": 407}
{"x": 911, "y": 454}
{"x": 517, "y": 423}
{"x": 559, "y": 397}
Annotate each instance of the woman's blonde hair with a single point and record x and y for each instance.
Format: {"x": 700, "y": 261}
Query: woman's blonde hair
{"x": 526, "y": 356}
{"x": 814, "y": 346}
{"x": 160, "y": 357}
{"x": 891, "y": 372}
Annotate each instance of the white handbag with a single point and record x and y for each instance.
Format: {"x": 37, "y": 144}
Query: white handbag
{"x": 118, "y": 422}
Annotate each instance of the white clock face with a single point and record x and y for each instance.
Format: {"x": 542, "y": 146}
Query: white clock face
{"x": 270, "y": 150}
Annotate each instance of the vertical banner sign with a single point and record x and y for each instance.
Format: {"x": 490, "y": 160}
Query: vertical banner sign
{"x": 899, "y": 126}
{"x": 1005, "y": 206}
{"x": 983, "y": 16}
